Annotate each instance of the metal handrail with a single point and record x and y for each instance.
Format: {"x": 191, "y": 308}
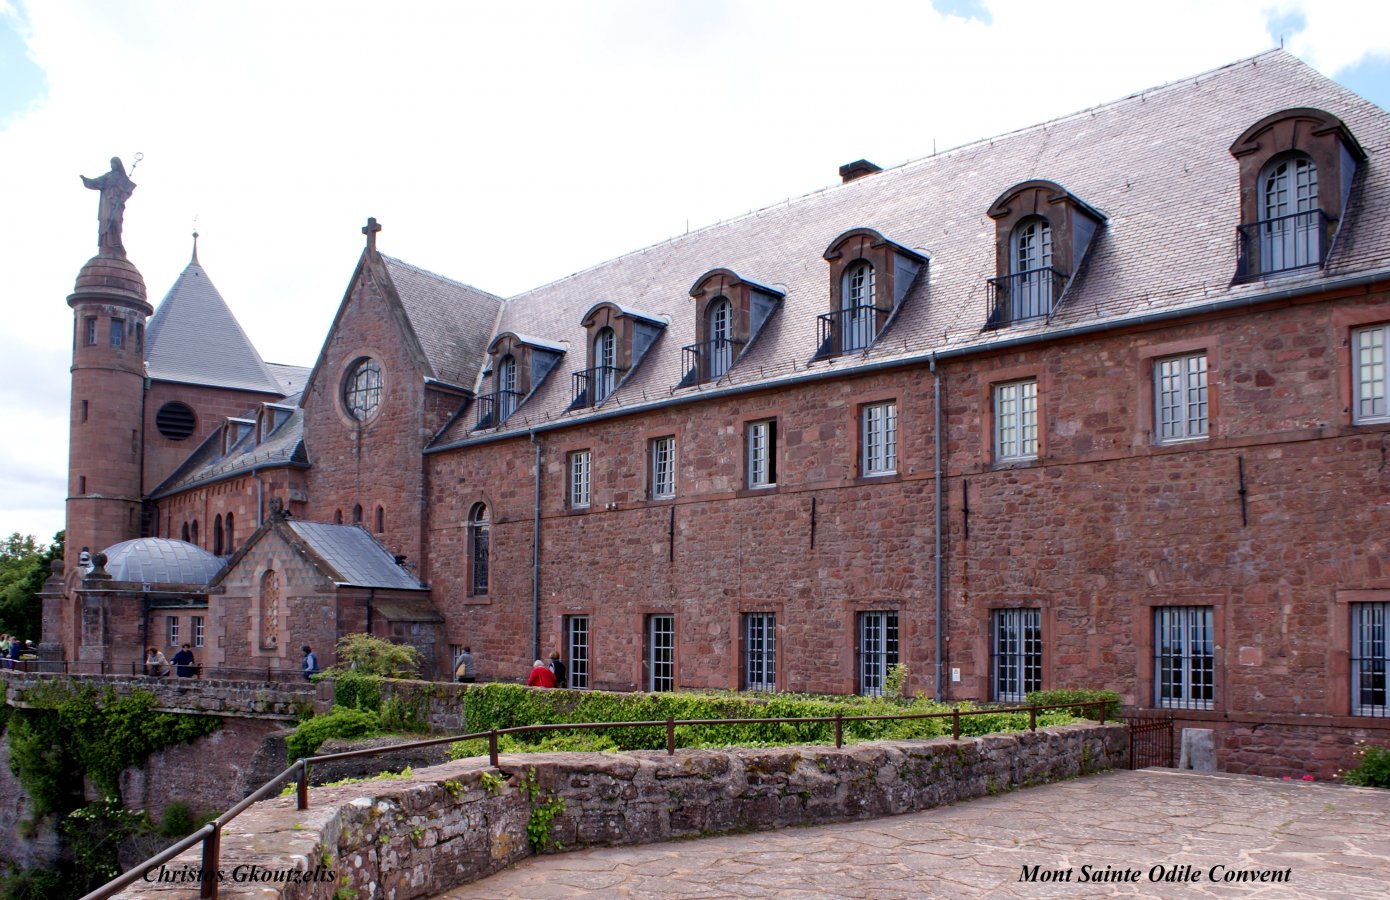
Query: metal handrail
{"x": 1021, "y": 296}
{"x": 697, "y": 359}
{"x": 260, "y": 674}
{"x": 210, "y": 835}
{"x": 847, "y": 330}
{"x": 1282, "y": 244}
{"x": 586, "y": 379}
{"x": 494, "y": 408}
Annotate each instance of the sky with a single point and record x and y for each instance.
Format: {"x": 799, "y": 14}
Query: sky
{"x": 507, "y": 145}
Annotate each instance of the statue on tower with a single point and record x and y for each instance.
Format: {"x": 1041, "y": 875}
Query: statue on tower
{"x": 116, "y": 187}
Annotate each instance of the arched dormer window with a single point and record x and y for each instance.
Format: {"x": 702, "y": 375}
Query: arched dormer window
{"x": 869, "y": 277}
{"x": 721, "y": 336}
{"x": 478, "y": 549}
{"x": 217, "y": 535}
{"x": 507, "y": 395}
{"x": 618, "y": 338}
{"x": 605, "y": 363}
{"x": 729, "y": 312}
{"x": 1296, "y": 172}
{"x": 1041, "y": 234}
{"x": 520, "y": 365}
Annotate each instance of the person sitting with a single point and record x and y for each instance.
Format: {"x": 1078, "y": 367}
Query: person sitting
{"x": 541, "y": 676}
{"x": 155, "y": 662}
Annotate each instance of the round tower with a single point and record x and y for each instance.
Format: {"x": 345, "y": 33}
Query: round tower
{"x": 108, "y": 385}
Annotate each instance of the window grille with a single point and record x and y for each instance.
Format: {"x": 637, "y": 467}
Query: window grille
{"x": 1184, "y": 657}
{"x": 1017, "y": 654}
{"x": 878, "y": 650}
{"x": 1370, "y": 349}
{"x": 1016, "y": 420}
{"x": 1290, "y": 233}
{"x": 577, "y": 650}
{"x": 760, "y": 651}
{"x": 661, "y": 653}
{"x": 663, "y": 468}
{"x": 362, "y": 389}
{"x": 579, "y": 479}
{"x": 880, "y": 439}
{"x": 173, "y": 627}
{"x": 762, "y": 453}
{"x": 1370, "y": 658}
{"x": 1181, "y": 384}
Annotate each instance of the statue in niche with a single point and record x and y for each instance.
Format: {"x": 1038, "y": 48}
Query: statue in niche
{"x": 116, "y": 187}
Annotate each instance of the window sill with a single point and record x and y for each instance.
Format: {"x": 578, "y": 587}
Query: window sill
{"x": 477, "y": 600}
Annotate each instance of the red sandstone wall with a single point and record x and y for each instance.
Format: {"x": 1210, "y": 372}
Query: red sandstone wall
{"x": 210, "y": 406}
{"x": 239, "y": 496}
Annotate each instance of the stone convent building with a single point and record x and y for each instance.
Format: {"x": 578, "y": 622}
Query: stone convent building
{"x": 1097, "y": 403}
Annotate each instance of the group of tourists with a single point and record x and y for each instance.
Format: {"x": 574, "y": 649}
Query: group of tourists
{"x": 183, "y": 664}
{"x": 11, "y": 646}
{"x": 553, "y": 674}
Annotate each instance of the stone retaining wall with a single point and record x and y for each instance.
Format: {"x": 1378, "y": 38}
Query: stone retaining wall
{"x": 455, "y": 823}
{"x": 244, "y": 699}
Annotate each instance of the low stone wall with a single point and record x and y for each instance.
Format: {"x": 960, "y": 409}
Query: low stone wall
{"x": 244, "y": 699}
{"x": 455, "y": 823}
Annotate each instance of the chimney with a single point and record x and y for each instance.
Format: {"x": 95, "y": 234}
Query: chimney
{"x": 857, "y": 169}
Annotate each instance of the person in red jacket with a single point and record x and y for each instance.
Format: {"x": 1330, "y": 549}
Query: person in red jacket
{"x": 541, "y": 676}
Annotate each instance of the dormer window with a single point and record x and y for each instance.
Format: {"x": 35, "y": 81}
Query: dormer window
{"x": 869, "y": 277}
{"x": 618, "y": 338}
{"x": 1296, "y": 169}
{"x": 521, "y": 365}
{"x": 272, "y": 417}
{"x": 234, "y": 431}
{"x": 729, "y": 312}
{"x": 1042, "y": 233}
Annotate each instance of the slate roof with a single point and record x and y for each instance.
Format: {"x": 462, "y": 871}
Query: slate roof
{"x": 161, "y": 561}
{"x": 207, "y": 464}
{"x": 355, "y": 557}
{"x": 452, "y": 321}
{"x": 1157, "y": 164}
{"x": 291, "y": 379}
{"x": 193, "y": 338}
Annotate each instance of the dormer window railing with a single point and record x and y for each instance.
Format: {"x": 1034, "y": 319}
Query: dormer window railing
{"x": 592, "y": 386}
{"x": 1283, "y": 244}
{"x": 709, "y": 360}
{"x": 847, "y": 330}
{"x": 1032, "y": 294}
{"x": 494, "y": 408}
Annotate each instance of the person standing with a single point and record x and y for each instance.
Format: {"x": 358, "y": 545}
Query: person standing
{"x": 183, "y": 662}
{"x": 463, "y": 667}
{"x": 541, "y": 676}
{"x": 310, "y": 663}
{"x": 558, "y": 669}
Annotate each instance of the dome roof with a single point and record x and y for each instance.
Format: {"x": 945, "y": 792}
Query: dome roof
{"x": 161, "y": 561}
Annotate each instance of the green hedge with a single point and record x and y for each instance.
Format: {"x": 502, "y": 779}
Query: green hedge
{"x": 1078, "y": 695}
{"x": 340, "y": 723}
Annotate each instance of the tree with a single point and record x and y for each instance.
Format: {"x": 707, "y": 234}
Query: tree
{"x": 24, "y": 566}
{"x": 367, "y": 655}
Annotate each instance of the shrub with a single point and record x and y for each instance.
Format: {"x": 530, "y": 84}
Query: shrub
{"x": 1372, "y": 768}
{"x": 372, "y": 656}
{"x": 340, "y": 723}
{"x": 1077, "y": 695}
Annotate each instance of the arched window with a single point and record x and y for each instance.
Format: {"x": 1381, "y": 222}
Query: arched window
{"x": 1290, "y": 226}
{"x": 270, "y": 609}
{"x": 1031, "y": 286}
{"x": 857, "y": 312}
{"x": 337, "y": 517}
{"x": 193, "y": 533}
{"x": 183, "y": 534}
{"x": 217, "y": 535}
{"x": 231, "y": 534}
{"x": 357, "y": 514}
{"x": 478, "y": 549}
{"x": 380, "y": 520}
{"x": 506, "y": 387}
{"x": 721, "y": 333}
{"x": 605, "y": 363}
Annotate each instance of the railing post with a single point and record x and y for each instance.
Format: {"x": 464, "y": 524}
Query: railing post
{"x": 670, "y": 736}
{"x": 1103, "y": 705}
{"x": 302, "y": 789}
{"x": 492, "y": 748}
{"x": 212, "y": 852}
{"x": 839, "y": 730}
{"x": 1032, "y": 718}
{"x": 955, "y": 723}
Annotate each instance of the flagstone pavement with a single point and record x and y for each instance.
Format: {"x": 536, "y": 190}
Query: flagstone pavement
{"x": 1169, "y": 833}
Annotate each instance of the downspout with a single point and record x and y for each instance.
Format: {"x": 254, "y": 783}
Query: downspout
{"x": 536, "y": 559}
{"x": 937, "y": 465}
{"x": 260, "y": 499}
{"x": 371, "y": 594}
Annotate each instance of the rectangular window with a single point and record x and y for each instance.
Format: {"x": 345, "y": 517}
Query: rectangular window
{"x": 577, "y": 650}
{"x": 1016, "y": 420}
{"x": 1370, "y": 381}
{"x": 1184, "y": 658}
{"x": 1017, "y": 654}
{"x": 663, "y": 468}
{"x": 197, "y": 631}
{"x": 661, "y": 653}
{"x": 1370, "y": 657}
{"x": 1180, "y": 392}
{"x": 762, "y": 453}
{"x": 879, "y": 439}
{"x": 172, "y": 626}
{"x": 760, "y": 652}
{"x": 90, "y": 324}
{"x": 579, "y": 479}
{"x": 118, "y": 332}
{"x": 878, "y": 650}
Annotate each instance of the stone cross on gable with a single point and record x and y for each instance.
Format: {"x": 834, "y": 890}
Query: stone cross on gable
{"x": 370, "y": 230}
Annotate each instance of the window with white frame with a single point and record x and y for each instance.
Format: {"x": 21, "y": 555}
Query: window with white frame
{"x": 506, "y": 388}
{"x": 198, "y": 631}
{"x": 1016, "y": 420}
{"x": 579, "y": 479}
{"x": 577, "y": 650}
{"x": 1370, "y": 659}
{"x": 1370, "y": 348}
{"x": 1184, "y": 657}
{"x": 878, "y": 650}
{"x": 759, "y": 651}
{"x": 721, "y": 334}
{"x": 858, "y": 313}
{"x": 661, "y": 653}
{"x": 1017, "y": 656}
{"x": 605, "y": 376}
{"x": 879, "y": 439}
{"x": 172, "y": 628}
{"x": 762, "y": 453}
{"x": 1180, "y": 392}
{"x": 663, "y": 468}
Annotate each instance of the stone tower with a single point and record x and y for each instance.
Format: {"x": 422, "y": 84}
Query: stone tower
{"x": 108, "y": 384}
